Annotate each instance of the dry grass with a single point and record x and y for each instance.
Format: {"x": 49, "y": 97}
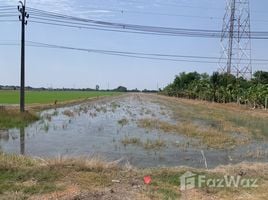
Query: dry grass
{"x": 68, "y": 113}
{"x": 9, "y": 162}
{"x": 147, "y": 145}
{"x": 166, "y": 181}
{"x": 154, "y": 144}
{"x": 133, "y": 141}
{"x": 149, "y": 123}
{"x": 33, "y": 177}
{"x": 258, "y": 153}
{"x": 219, "y": 106}
{"x": 231, "y": 117}
{"x": 215, "y": 125}
{"x": 84, "y": 163}
{"x": 209, "y": 136}
{"x": 92, "y": 178}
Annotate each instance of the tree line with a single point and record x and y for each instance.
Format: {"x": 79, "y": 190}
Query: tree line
{"x": 221, "y": 88}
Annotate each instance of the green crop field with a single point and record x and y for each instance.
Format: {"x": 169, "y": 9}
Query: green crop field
{"x": 47, "y": 97}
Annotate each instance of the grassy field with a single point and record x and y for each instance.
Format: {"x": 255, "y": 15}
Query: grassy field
{"x": 93, "y": 178}
{"x": 215, "y": 124}
{"x": 38, "y": 100}
{"x": 15, "y": 119}
{"x": 49, "y": 97}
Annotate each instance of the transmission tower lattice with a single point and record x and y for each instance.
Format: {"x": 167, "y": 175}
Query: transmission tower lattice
{"x": 236, "y": 40}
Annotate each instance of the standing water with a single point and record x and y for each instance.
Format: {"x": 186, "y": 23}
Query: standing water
{"x": 109, "y": 128}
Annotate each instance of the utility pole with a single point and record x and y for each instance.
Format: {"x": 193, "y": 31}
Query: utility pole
{"x": 23, "y": 18}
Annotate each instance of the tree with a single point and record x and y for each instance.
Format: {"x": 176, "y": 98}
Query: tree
{"x": 121, "y": 89}
{"x": 97, "y": 87}
{"x": 260, "y": 77}
{"x": 215, "y": 83}
{"x": 221, "y": 88}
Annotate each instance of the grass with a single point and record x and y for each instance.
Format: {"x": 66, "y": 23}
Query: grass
{"x": 29, "y": 177}
{"x": 147, "y": 145}
{"x": 133, "y": 141}
{"x": 62, "y": 178}
{"x": 28, "y": 181}
{"x": 68, "y": 113}
{"x": 154, "y": 144}
{"x": 15, "y": 119}
{"x": 166, "y": 181}
{"x": 46, "y": 127}
{"x": 49, "y": 97}
{"x": 216, "y": 125}
{"x": 21, "y": 174}
{"x": 123, "y": 122}
{"x": 209, "y": 136}
{"x": 231, "y": 118}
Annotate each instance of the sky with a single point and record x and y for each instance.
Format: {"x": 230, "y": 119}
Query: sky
{"x": 64, "y": 68}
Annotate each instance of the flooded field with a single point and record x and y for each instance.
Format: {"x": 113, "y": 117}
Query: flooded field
{"x": 142, "y": 130}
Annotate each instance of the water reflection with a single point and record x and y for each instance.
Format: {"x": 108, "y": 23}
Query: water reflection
{"x": 22, "y": 141}
{"x": 13, "y": 135}
{"x": 4, "y": 135}
{"x": 103, "y": 128}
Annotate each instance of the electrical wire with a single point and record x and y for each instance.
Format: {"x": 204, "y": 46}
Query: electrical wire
{"x": 50, "y": 18}
{"x": 141, "y": 55}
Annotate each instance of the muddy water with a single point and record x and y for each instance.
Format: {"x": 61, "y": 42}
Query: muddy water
{"x": 98, "y": 128}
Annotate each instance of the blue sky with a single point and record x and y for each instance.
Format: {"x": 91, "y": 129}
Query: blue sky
{"x": 61, "y": 68}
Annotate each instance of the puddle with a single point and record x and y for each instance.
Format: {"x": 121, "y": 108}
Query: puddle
{"x": 99, "y": 128}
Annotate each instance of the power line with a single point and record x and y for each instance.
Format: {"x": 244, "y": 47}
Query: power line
{"x": 76, "y": 22}
{"x": 141, "y": 55}
{"x": 154, "y": 13}
{"x": 6, "y": 15}
{"x": 157, "y": 3}
{"x": 158, "y": 13}
{"x": 7, "y": 21}
{"x": 138, "y": 53}
{"x": 7, "y": 7}
{"x": 260, "y": 36}
{"x": 176, "y": 5}
{"x": 122, "y": 11}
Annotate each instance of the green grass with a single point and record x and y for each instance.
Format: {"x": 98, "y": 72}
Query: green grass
{"x": 147, "y": 145}
{"x": 22, "y": 177}
{"x": 127, "y": 141}
{"x": 48, "y": 97}
{"x": 16, "y": 181}
{"x": 14, "y": 119}
{"x": 123, "y": 122}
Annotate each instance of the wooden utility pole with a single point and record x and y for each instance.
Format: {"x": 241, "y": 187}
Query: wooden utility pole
{"x": 23, "y": 16}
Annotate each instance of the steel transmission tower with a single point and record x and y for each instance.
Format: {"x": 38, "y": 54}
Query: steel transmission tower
{"x": 236, "y": 40}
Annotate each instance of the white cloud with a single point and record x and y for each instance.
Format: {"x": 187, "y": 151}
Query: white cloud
{"x": 67, "y": 7}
